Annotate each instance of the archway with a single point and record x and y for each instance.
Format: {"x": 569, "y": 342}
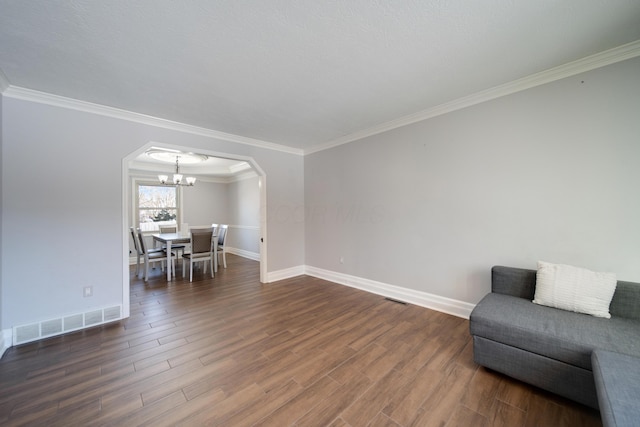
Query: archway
{"x": 127, "y": 206}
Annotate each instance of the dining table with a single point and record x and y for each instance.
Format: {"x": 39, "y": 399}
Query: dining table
{"x": 180, "y": 237}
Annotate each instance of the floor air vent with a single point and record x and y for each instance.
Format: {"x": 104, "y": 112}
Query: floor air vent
{"x": 52, "y": 327}
{"x": 396, "y": 301}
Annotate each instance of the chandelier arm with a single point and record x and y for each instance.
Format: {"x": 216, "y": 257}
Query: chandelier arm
{"x": 177, "y": 178}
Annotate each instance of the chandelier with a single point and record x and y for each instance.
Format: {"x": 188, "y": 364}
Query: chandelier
{"x": 177, "y": 177}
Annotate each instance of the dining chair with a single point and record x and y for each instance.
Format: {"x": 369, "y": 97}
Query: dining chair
{"x": 222, "y": 243}
{"x": 173, "y": 229}
{"x": 153, "y": 255}
{"x": 139, "y": 254}
{"x": 137, "y": 248}
{"x": 201, "y": 250}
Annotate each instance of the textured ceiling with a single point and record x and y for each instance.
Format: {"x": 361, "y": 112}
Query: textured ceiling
{"x": 300, "y": 73}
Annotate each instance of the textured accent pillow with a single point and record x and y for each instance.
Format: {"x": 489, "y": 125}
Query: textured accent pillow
{"x": 574, "y": 289}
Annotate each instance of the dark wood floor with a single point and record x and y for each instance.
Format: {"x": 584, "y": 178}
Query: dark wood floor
{"x": 230, "y": 351}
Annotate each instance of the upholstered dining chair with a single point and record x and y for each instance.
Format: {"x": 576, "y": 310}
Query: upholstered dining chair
{"x": 201, "y": 250}
{"x": 153, "y": 255}
{"x": 173, "y": 229}
{"x": 222, "y": 243}
{"x": 139, "y": 254}
{"x": 137, "y": 248}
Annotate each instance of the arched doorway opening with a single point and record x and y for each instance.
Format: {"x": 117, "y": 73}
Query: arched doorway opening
{"x": 130, "y": 174}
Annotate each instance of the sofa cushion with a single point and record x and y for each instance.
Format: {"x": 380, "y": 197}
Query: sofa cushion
{"x": 574, "y": 289}
{"x": 561, "y": 335}
{"x": 617, "y": 378}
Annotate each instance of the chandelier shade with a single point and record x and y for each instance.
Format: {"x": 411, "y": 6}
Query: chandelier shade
{"x": 177, "y": 177}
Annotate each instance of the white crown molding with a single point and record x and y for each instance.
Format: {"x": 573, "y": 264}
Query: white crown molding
{"x": 611, "y": 56}
{"x": 88, "y": 107}
{"x": 239, "y": 167}
{"x": 4, "y": 82}
{"x": 242, "y": 176}
{"x": 598, "y": 60}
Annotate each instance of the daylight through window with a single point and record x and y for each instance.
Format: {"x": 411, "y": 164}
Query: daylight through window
{"x": 157, "y": 205}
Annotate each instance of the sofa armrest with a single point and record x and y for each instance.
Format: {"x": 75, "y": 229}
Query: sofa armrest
{"x": 626, "y": 300}
{"x": 517, "y": 282}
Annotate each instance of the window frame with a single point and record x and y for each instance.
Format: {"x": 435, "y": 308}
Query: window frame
{"x": 137, "y": 182}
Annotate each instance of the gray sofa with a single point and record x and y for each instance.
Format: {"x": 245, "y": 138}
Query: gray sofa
{"x": 551, "y": 348}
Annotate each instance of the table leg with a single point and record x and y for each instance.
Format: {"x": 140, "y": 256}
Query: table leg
{"x": 168, "y": 259}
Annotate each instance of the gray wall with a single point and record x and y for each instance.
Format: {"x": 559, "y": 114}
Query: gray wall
{"x": 244, "y": 215}
{"x": 549, "y": 173}
{"x": 1, "y": 210}
{"x": 205, "y": 203}
{"x": 235, "y": 203}
{"x": 73, "y": 211}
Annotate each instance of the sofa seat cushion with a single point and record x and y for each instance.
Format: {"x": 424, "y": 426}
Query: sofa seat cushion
{"x": 617, "y": 378}
{"x": 561, "y": 335}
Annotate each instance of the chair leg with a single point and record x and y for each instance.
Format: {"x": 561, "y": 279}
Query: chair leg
{"x": 146, "y": 270}
{"x": 191, "y": 270}
{"x": 224, "y": 258}
{"x": 211, "y": 266}
{"x": 183, "y": 270}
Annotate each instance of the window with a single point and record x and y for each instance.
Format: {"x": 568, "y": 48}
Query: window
{"x": 157, "y": 205}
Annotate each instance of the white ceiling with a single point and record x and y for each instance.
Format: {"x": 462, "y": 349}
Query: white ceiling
{"x": 300, "y": 73}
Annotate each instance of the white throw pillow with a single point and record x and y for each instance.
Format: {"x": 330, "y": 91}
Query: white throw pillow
{"x": 574, "y": 289}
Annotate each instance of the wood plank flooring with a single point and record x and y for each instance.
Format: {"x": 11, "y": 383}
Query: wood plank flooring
{"x": 230, "y": 351}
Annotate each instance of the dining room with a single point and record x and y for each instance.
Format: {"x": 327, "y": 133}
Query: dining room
{"x": 178, "y": 191}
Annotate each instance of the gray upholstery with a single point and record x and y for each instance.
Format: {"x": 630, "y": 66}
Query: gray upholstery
{"x": 561, "y": 335}
{"x": 520, "y": 282}
{"x": 626, "y": 301}
{"x": 563, "y": 379}
{"x": 618, "y": 387}
{"x": 517, "y": 282}
{"x": 548, "y": 347}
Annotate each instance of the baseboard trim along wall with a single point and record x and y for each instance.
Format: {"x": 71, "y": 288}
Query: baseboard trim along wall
{"x": 423, "y": 299}
{"x": 245, "y": 254}
{"x": 5, "y": 340}
{"x": 287, "y": 273}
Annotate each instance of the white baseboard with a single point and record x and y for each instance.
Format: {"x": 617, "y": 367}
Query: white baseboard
{"x": 274, "y": 276}
{"x": 423, "y": 299}
{"x": 245, "y": 254}
{"x": 6, "y": 339}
